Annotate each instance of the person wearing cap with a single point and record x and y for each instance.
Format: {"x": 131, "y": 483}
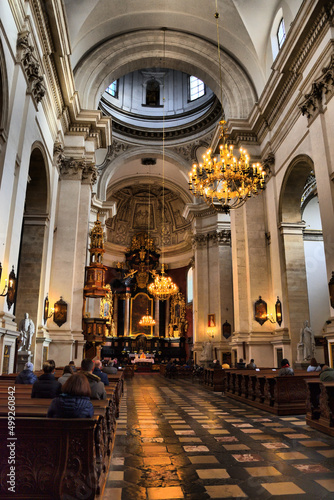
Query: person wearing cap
{"x": 27, "y": 375}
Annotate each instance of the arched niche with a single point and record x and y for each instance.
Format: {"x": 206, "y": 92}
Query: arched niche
{"x": 3, "y": 108}
{"x": 175, "y": 50}
{"x": 32, "y": 245}
{"x": 292, "y": 233}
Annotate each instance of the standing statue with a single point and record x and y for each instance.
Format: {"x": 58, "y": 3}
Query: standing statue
{"x": 206, "y": 354}
{"x": 27, "y": 330}
{"x": 307, "y": 340}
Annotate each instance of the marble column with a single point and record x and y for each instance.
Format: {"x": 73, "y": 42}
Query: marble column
{"x": 156, "y": 317}
{"x": 69, "y": 254}
{"x": 127, "y": 314}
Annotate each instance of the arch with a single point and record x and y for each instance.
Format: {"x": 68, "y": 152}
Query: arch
{"x": 105, "y": 179}
{"x": 184, "y": 52}
{"x": 3, "y": 107}
{"x": 293, "y": 187}
{"x": 33, "y": 240}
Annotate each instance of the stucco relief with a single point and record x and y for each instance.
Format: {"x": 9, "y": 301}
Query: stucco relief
{"x": 141, "y": 207}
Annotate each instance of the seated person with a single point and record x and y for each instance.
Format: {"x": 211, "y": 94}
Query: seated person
{"x": 251, "y": 365}
{"x": 143, "y": 355}
{"x": 313, "y": 366}
{"x": 74, "y": 402}
{"x": 46, "y": 386}
{"x": 285, "y": 368}
{"x": 96, "y": 386}
{"x": 215, "y": 364}
{"x": 72, "y": 365}
{"x": 27, "y": 375}
{"x": 225, "y": 365}
{"x": 241, "y": 364}
{"x": 97, "y": 371}
{"x": 109, "y": 368}
{"x": 66, "y": 374}
{"x": 326, "y": 374}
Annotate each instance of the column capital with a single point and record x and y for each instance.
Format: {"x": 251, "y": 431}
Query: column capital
{"x": 292, "y": 228}
{"x": 76, "y": 169}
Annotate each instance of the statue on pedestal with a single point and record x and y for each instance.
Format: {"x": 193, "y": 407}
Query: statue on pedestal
{"x": 27, "y": 330}
{"x": 206, "y": 354}
{"x": 307, "y": 340}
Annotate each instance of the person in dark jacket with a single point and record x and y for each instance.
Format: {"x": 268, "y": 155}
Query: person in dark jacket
{"x": 99, "y": 373}
{"x": 251, "y": 365}
{"x": 109, "y": 368}
{"x": 326, "y": 374}
{"x": 27, "y": 375}
{"x": 241, "y": 364}
{"x": 72, "y": 365}
{"x": 96, "y": 386}
{"x": 46, "y": 386}
{"x": 285, "y": 368}
{"x": 74, "y": 402}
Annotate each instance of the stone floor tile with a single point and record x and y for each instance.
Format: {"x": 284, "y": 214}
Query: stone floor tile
{"x": 327, "y": 453}
{"x": 291, "y": 455}
{"x": 189, "y": 449}
{"x": 313, "y": 444}
{"x": 311, "y": 468}
{"x": 212, "y": 473}
{"x": 275, "y": 446}
{"x": 116, "y": 475}
{"x": 164, "y": 493}
{"x": 236, "y": 447}
{"x": 296, "y": 436}
{"x": 190, "y": 440}
{"x": 114, "y": 493}
{"x": 328, "y": 484}
{"x": 248, "y": 457}
{"x": 217, "y": 432}
{"x": 283, "y": 488}
{"x": 204, "y": 459}
{"x": 226, "y": 491}
{"x": 262, "y": 471}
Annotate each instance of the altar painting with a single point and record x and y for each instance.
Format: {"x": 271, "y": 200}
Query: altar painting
{"x": 139, "y": 305}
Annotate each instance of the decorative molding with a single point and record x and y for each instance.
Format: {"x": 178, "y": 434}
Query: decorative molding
{"x": 116, "y": 149}
{"x": 268, "y": 162}
{"x": 312, "y": 103}
{"x": 222, "y": 238}
{"x": 31, "y": 66}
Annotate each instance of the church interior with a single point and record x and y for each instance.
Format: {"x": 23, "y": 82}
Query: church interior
{"x": 166, "y": 194}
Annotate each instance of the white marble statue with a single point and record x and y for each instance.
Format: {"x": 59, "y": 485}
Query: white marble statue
{"x": 27, "y": 330}
{"x": 307, "y": 340}
{"x": 206, "y": 354}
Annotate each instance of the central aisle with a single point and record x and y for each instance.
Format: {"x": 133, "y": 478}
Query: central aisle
{"x": 178, "y": 440}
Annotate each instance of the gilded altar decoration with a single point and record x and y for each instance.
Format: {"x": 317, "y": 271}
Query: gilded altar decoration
{"x": 177, "y": 323}
{"x": 142, "y": 257}
{"x": 107, "y": 309}
{"x": 95, "y": 272}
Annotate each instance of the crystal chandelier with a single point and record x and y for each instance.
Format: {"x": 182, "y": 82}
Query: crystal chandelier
{"x": 147, "y": 320}
{"x": 226, "y": 179}
{"x": 162, "y": 287}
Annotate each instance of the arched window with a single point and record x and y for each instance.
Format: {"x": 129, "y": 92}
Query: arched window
{"x": 281, "y": 34}
{"x": 190, "y": 285}
{"x": 113, "y": 89}
{"x": 196, "y": 88}
{"x": 152, "y": 93}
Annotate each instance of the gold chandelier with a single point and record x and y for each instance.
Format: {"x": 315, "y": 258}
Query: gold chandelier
{"x": 162, "y": 287}
{"x": 226, "y": 179}
{"x": 147, "y": 320}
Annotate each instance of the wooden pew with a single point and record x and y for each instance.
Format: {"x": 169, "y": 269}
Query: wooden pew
{"x": 54, "y": 459}
{"x": 320, "y": 405}
{"x": 214, "y": 379}
{"x": 266, "y": 390}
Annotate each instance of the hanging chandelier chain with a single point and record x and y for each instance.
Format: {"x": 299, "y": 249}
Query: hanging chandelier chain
{"x": 224, "y": 179}
{"x": 219, "y": 61}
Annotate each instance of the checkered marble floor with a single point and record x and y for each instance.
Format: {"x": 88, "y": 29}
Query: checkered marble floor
{"x": 177, "y": 440}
